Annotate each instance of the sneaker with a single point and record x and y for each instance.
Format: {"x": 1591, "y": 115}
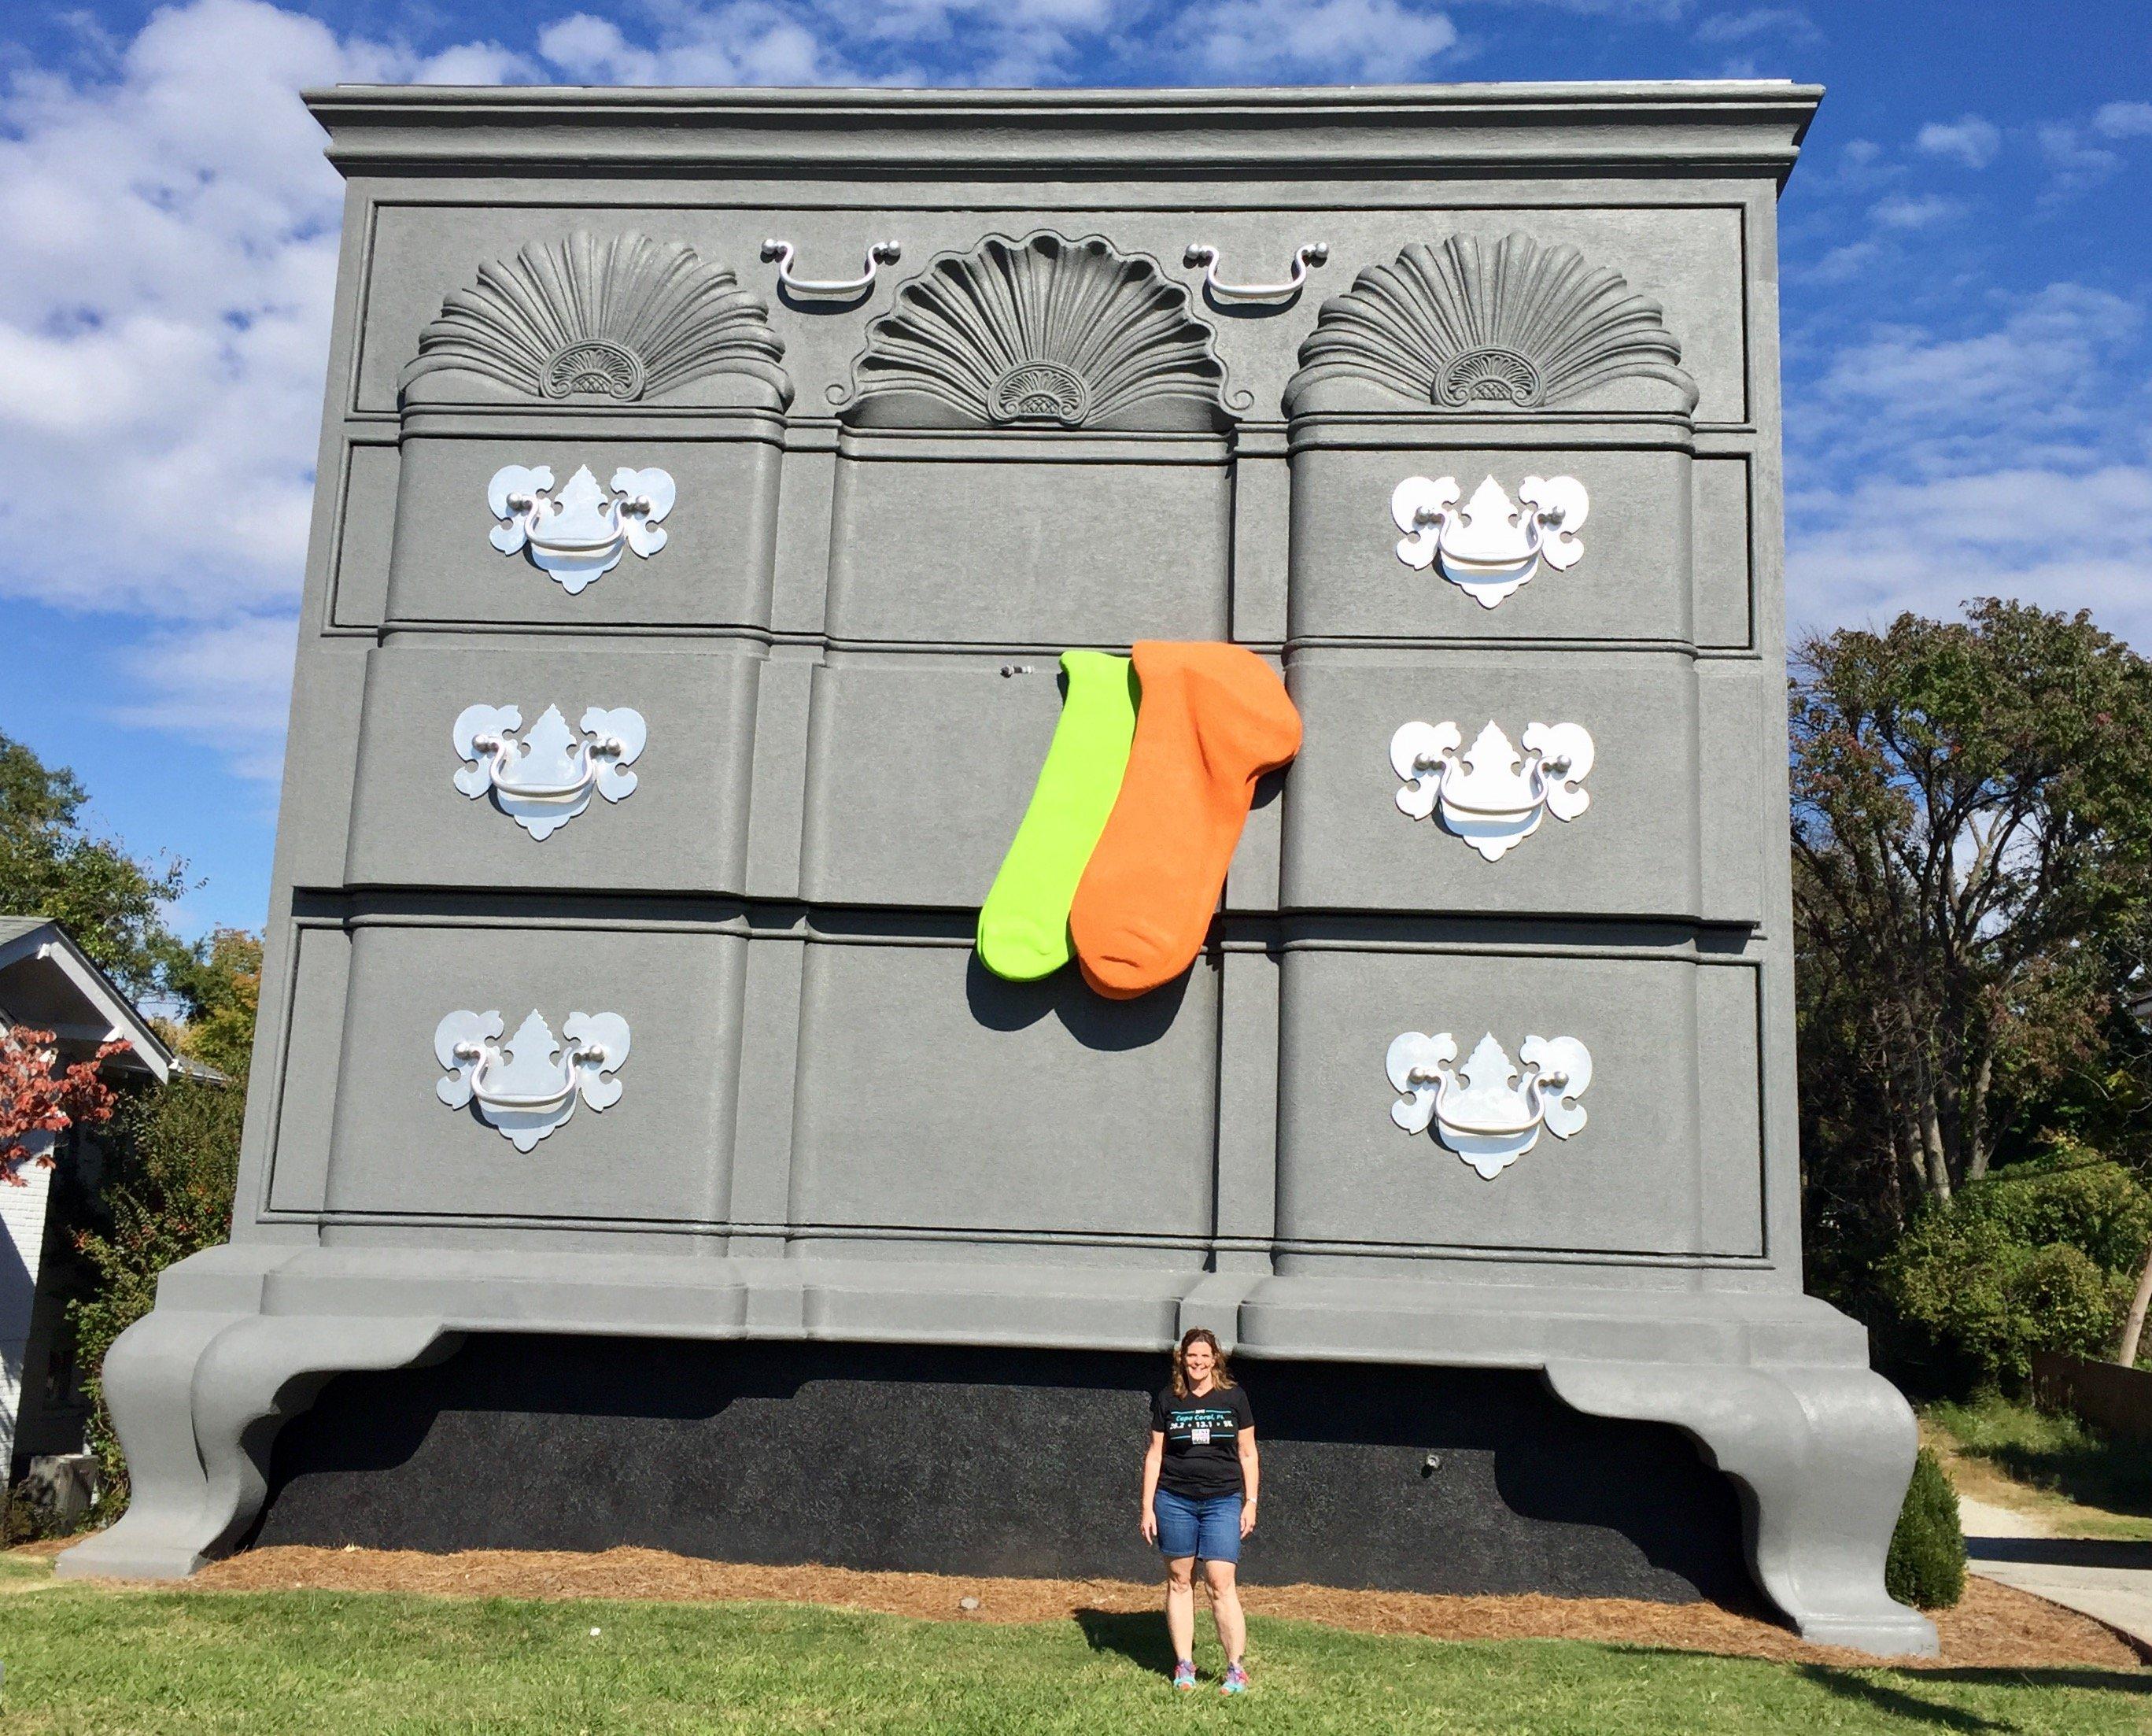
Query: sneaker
{"x": 1184, "y": 1675}
{"x": 1237, "y": 1680}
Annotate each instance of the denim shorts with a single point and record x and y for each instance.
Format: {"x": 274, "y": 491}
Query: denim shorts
{"x": 1209, "y": 1527}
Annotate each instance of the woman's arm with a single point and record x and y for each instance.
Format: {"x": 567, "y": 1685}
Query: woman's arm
{"x": 1153, "y": 1456}
{"x": 1252, "y": 1476}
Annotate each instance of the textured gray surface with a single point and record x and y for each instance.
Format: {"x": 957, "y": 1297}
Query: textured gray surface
{"x": 834, "y": 1126}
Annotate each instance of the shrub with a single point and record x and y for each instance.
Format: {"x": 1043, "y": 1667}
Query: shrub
{"x": 2098, "y": 1208}
{"x": 1980, "y": 1297}
{"x": 169, "y": 1177}
{"x": 26, "y": 1519}
{"x": 2060, "y": 1299}
{"x": 1925, "y": 1566}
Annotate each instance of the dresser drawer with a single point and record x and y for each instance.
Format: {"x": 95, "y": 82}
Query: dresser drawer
{"x": 1024, "y": 539}
{"x": 683, "y": 827}
{"x": 1661, "y": 792}
{"x": 1668, "y": 1160}
{"x": 712, "y": 569}
{"x": 919, "y": 767}
{"x": 660, "y": 1153}
{"x": 1630, "y": 581}
{"x": 933, "y": 1094}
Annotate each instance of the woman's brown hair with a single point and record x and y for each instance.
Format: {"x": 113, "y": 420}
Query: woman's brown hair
{"x": 1221, "y": 1376}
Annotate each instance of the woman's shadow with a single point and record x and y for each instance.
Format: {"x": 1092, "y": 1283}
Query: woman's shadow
{"x": 1138, "y": 1635}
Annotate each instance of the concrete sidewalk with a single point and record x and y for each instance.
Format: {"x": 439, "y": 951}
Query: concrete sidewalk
{"x": 2109, "y": 1581}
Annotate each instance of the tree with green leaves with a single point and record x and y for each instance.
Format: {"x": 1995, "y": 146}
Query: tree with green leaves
{"x": 171, "y": 1162}
{"x": 111, "y": 903}
{"x": 1973, "y": 846}
{"x": 217, "y": 983}
{"x": 171, "y": 1166}
{"x": 171, "y": 1153}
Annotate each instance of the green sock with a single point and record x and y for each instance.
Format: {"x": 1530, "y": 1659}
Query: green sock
{"x": 1023, "y": 925}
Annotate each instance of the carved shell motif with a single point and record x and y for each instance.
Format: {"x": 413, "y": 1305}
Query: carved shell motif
{"x": 617, "y": 319}
{"x": 1474, "y": 327}
{"x": 1040, "y": 333}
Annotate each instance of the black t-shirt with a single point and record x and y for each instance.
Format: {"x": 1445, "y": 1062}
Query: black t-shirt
{"x": 1202, "y": 1441}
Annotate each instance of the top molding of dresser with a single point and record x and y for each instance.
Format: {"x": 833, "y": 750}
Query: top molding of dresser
{"x": 1743, "y": 126}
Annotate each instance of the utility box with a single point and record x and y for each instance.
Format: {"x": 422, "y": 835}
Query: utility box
{"x": 709, "y": 482}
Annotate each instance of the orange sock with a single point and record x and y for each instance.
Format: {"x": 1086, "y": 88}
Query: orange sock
{"x": 1210, "y": 720}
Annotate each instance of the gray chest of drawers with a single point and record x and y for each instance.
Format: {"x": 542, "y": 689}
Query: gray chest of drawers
{"x": 678, "y": 654}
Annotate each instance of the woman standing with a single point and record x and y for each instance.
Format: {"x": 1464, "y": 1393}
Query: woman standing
{"x": 1200, "y": 1477}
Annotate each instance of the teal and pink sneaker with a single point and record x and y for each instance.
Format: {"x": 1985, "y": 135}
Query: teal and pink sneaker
{"x": 1184, "y": 1675}
{"x": 1237, "y": 1680}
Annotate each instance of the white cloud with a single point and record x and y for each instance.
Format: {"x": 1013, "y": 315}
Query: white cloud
{"x": 478, "y": 63}
{"x": 2123, "y": 120}
{"x": 794, "y": 41}
{"x": 1969, "y": 140}
{"x": 745, "y": 42}
{"x": 1786, "y": 21}
{"x": 1906, "y": 210}
{"x": 1369, "y": 39}
{"x": 2005, "y": 460}
{"x": 1863, "y": 165}
{"x": 2073, "y": 166}
{"x": 227, "y": 685}
{"x": 2036, "y": 376}
{"x": 172, "y": 254}
{"x": 2062, "y": 539}
{"x": 1841, "y": 265}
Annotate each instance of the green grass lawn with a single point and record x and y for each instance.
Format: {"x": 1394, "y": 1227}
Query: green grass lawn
{"x": 81, "y": 1659}
{"x": 2085, "y": 1484}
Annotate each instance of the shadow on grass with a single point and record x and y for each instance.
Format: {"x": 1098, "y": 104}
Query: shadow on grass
{"x": 2053, "y": 1452}
{"x": 1898, "y": 1694}
{"x": 1898, "y": 1691}
{"x": 1138, "y": 1635}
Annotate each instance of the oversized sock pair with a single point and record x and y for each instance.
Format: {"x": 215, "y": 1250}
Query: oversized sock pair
{"x": 1023, "y": 924}
{"x": 1131, "y": 876}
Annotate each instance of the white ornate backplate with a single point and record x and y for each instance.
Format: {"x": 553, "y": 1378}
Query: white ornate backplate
{"x": 528, "y": 1086}
{"x": 1490, "y": 795}
{"x": 546, "y": 777}
{"x": 1490, "y": 546}
{"x": 578, "y": 533}
{"x": 1487, "y": 1111}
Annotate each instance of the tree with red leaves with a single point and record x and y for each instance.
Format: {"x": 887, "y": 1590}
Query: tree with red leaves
{"x": 39, "y": 1096}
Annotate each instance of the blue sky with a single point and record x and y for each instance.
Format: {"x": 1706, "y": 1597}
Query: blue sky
{"x": 1968, "y": 278}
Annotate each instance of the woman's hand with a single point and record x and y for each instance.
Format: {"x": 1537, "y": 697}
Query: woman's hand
{"x": 1148, "y": 1526}
{"x": 1247, "y": 1517}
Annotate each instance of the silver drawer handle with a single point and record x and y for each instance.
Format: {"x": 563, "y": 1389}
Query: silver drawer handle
{"x": 1204, "y": 254}
{"x": 1475, "y": 1108}
{"x": 484, "y": 1089}
{"x": 518, "y": 1086}
{"x": 544, "y": 779}
{"x": 1489, "y": 546}
{"x": 578, "y": 533}
{"x": 829, "y": 289}
{"x": 1490, "y": 795}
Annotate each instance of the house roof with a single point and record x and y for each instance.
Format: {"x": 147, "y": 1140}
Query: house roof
{"x": 48, "y": 982}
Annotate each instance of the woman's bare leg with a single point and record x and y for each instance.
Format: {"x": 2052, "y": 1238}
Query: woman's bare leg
{"x": 1180, "y": 1605}
{"x": 1226, "y": 1607}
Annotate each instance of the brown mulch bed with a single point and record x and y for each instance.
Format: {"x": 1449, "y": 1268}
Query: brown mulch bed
{"x": 1993, "y": 1628}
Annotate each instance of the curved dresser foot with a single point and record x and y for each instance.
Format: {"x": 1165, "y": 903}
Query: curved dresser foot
{"x": 197, "y": 1399}
{"x": 1822, "y": 1457}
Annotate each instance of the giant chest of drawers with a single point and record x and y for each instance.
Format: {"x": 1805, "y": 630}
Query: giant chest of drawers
{"x": 770, "y": 570}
